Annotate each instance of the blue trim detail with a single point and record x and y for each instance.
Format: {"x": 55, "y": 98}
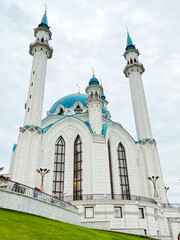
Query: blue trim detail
{"x": 104, "y": 110}
{"x": 14, "y": 147}
{"x": 103, "y": 96}
{"x": 118, "y": 124}
{"x": 48, "y": 127}
{"x": 146, "y": 140}
{"x": 30, "y": 126}
{"x": 105, "y": 127}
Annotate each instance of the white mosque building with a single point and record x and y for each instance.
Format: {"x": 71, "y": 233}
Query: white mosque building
{"x": 94, "y": 162}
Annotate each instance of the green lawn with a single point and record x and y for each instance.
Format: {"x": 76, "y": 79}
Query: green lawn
{"x": 21, "y": 226}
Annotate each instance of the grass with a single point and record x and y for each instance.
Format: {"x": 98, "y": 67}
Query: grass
{"x": 21, "y": 226}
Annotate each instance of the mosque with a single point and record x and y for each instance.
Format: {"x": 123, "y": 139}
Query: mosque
{"x": 115, "y": 181}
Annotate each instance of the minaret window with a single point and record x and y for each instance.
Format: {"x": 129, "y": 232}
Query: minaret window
{"x": 91, "y": 95}
{"x": 131, "y": 61}
{"x": 28, "y": 109}
{"x": 110, "y": 171}
{"x": 42, "y": 39}
{"x": 77, "y": 188}
{"x": 123, "y": 174}
{"x": 59, "y": 163}
{"x": 32, "y": 84}
{"x": 33, "y": 72}
{"x": 30, "y": 96}
{"x": 134, "y": 60}
{"x": 96, "y": 95}
{"x": 78, "y": 110}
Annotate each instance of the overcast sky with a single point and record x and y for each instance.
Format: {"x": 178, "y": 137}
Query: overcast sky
{"x": 88, "y": 33}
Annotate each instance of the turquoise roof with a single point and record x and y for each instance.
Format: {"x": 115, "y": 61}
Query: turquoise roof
{"x": 93, "y": 81}
{"x": 44, "y": 22}
{"x": 129, "y": 43}
{"x": 69, "y": 100}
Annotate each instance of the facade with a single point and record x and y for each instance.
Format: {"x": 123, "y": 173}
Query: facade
{"x": 94, "y": 162}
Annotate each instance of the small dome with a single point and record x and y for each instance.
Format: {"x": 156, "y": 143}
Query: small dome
{"x": 93, "y": 81}
{"x": 69, "y": 100}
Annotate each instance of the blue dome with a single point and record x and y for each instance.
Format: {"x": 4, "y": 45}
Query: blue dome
{"x": 93, "y": 81}
{"x": 69, "y": 100}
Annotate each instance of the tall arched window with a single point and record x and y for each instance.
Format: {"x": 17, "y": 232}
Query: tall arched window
{"x": 123, "y": 174}
{"x": 110, "y": 171}
{"x": 77, "y": 192}
{"x": 59, "y": 161}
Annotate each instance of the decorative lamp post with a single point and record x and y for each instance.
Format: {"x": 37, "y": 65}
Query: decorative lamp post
{"x": 153, "y": 179}
{"x": 42, "y": 172}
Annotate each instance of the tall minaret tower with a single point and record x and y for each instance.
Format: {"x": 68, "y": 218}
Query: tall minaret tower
{"x": 133, "y": 71}
{"x": 94, "y": 104}
{"x": 41, "y": 51}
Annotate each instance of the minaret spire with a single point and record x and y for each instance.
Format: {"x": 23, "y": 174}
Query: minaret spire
{"x": 41, "y": 51}
{"x": 133, "y": 71}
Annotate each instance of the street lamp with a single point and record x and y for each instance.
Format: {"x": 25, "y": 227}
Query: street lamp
{"x": 153, "y": 179}
{"x": 42, "y": 172}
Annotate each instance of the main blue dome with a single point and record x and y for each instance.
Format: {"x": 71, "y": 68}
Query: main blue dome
{"x": 69, "y": 100}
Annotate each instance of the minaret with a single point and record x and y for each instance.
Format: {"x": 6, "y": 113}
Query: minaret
{"x": 133, "y": 71}
{"x": 41, "y": 51}
{"x": 94, "y": 104}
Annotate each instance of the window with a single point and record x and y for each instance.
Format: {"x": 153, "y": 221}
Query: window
{"x": 78, "y": 110}
{"x": 59, "y": 162}
{"x": 30, "y": 96}
{"x": 32, "y": 84}
{"x": 118, "y": 212}
{"x": 155, "y": 214}
{"x": 61, "y": 111}
{"x": 141, "y": 213}
{"x": 123, "y": 173}
{"x": 77, "y": 193}
{"x": 96, "y": 94}
{"x": 42, "y": 39}
{"x": 134, "y": 60}
{"x": 28, "y": 109}
{"x": 89, "y": 212}
{"x": 33, "y": 72}
{"x": 145, "y": 232}
{"x": 110, "y": 171}
{"x": 158, "y": 232}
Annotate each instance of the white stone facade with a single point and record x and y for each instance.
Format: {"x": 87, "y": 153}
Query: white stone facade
{"x": 102, "y": 186}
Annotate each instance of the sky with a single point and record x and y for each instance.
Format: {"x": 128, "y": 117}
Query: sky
{"x": 92, "y": 33}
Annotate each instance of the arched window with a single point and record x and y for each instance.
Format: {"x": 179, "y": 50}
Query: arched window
{"x": 96, "y": 94}
{"x": 110, "y": 171}
{"x": 58, "y": 175}
{"x": 134, "y": 60}
{"x": 123, "y": 174}
{"x": 77, "y": 191}
{"x": 61, "y": 111}
{"x": 131, "y": 61}
{"x": 78, "y": 109}
{"x": 42, "y": 39}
